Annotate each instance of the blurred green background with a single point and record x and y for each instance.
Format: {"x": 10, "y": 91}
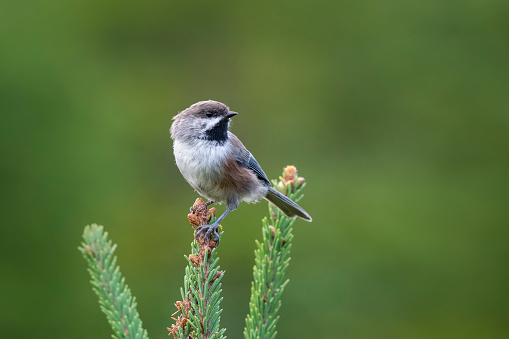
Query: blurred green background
{"x": 396, "y": 112}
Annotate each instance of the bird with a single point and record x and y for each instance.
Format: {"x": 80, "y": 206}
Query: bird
{"x": 218, "y": 166}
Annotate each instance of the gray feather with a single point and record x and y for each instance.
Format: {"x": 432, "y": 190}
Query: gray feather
{"x": 286, "y": 205}
{"x": 245, "y": 159}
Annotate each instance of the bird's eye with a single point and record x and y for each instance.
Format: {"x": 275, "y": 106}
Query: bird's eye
{"x": 209, "y": 114}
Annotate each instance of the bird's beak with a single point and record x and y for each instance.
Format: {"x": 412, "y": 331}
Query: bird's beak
{"x": 231, "y": 114}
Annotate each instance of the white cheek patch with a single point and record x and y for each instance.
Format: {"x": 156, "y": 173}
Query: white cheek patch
{"x": 212, "y": 122}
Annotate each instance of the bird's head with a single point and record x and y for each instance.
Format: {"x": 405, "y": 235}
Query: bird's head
{"x": 207, "y": 120}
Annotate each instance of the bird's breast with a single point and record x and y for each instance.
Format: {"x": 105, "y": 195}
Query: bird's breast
{"x": 202, "y": 164}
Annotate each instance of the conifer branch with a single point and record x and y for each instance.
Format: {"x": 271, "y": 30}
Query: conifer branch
{"x": 115, "y": 298}
{"x": 272, "y": 257}
{"x": 199, "y": 312}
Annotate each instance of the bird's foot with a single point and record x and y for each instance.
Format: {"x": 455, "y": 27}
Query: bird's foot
{"x": 208, "y": 230}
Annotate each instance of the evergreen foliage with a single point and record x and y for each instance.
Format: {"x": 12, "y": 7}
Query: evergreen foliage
{"x": 272, "y": 257}
{"x": 199, "y": 311}
{"x": 115, "y": 297}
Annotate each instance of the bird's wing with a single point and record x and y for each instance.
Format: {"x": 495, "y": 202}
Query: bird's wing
{"x": 245, "y": 159}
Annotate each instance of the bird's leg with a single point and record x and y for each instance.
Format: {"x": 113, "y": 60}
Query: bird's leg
{"x": 212, "y": 228}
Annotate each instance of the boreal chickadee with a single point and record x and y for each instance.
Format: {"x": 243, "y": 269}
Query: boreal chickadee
{"x": 218, "y": 166}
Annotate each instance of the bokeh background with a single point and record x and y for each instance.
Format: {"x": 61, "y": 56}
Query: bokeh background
{"x": 396, "y": 112}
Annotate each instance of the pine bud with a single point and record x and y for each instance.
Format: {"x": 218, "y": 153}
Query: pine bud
{"x": 194, "y": 259}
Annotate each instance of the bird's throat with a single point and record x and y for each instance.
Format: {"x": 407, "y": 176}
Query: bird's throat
{"x": 219, "y": 132}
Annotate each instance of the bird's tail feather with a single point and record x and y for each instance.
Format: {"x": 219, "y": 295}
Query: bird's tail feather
{"x": 286, "y": 205}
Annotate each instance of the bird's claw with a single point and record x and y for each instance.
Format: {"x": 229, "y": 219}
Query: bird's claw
{"x": 208, "y": 229}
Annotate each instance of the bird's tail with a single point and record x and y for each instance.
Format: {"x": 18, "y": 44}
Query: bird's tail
{"x": 286, "y": 205}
